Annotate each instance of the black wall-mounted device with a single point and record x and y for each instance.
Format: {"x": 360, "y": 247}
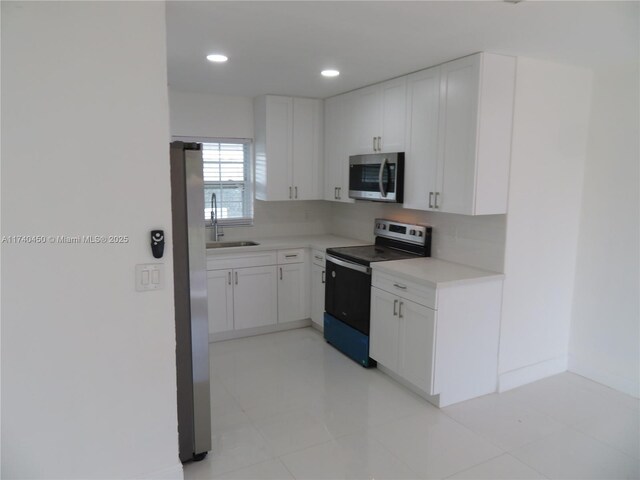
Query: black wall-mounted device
{"x": 157, "y": 243}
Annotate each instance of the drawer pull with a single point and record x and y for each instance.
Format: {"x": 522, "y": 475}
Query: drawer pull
{"x": 318, "y": 257}
{"x": 395, "y": 307}
{"x": 293, "y": 255}
{"x": 400, "y": 286}
{"x": 400, "y": 315}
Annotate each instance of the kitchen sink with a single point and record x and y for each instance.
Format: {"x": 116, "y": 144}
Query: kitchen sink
{"x": 230, "y": 244}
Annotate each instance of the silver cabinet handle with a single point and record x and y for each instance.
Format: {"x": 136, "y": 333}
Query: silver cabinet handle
{"x": 229, "y": 277}
{"x": 379, "y": 144}
{"x": 296, "y": 190}
{"x": 335, "y": 193}
{"x": 318, "y": 257}
{"x": 400, "y": 315}
{"x": 400, "y": 286}
{"x": 236, "y": 277}
{"x": 430, "y": 199}
{"x": 289, "y": 193}
{"x": 436, "y": 204}
{"x": 280, "y": 273}
{"x": 291, "y": 255}
{"x": 374, "y": 144}
{"x": 395, "y": 307}
{"x": 339, "y": 193}
{"x": 324, "y": 278}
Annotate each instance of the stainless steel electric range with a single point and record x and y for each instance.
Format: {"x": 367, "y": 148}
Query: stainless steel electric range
{"x": 348, "y": 283}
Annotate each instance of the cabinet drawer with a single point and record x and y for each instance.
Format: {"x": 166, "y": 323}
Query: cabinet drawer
{"x": 294, "y": 255}
{"x": 421, "y": 294}
{"x": 318, "y": 258}
{"x": 236, "y": 260}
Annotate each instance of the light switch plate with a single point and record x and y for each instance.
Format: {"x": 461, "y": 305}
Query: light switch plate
{"x": 149, "y": 276}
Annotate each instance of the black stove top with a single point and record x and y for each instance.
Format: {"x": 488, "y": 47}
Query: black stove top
{"x": 366, "y": 254}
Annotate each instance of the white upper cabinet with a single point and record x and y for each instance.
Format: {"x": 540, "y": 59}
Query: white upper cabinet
{"x": 475, "y": 113}
{"x": 288, "y": 148}
{"x": 421, "y": 156}
{"x": 338, "y": 135}
{"x": 379, "y": 117}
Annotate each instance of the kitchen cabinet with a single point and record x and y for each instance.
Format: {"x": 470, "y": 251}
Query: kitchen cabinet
{"x": 379, "y": 117}
{"x": 402, "y": 337}
{"x": 255, "y": 297}
{"x": 241, "y": 298}
{"x": 220, "y": 300}
{"x": 467, "y": 170}
{"x": 338, "y": 128}
{"x": 440, "y": 340}
{"x": 293, "y": 285}
{"x": 318, "y": 280}
{"x": 421, "y": 156}
{"x": 288, "y": 148}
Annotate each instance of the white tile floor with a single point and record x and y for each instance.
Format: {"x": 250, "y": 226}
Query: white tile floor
{"x": 287, "y": 405}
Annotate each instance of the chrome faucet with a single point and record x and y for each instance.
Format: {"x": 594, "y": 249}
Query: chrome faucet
{"x": 217, "y": 230}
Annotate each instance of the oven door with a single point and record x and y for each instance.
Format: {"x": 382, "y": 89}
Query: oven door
{"x": 374, "y": 177}
{"x": 348, "y": 293}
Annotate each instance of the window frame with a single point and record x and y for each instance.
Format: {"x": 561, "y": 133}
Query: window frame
{"x": 249, "y": 182}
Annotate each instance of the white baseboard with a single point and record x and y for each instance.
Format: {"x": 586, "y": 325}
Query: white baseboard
{"x": 250, "y": 332}
{"x": 171, "y": 473}
{"x": 531, "y": 373}
{"x": 319, "y": 328}
{"x": 582, "y": 367}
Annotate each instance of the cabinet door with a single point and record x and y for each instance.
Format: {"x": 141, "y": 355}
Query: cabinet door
{"x": 307, "y": 138}
{"x": 459, "y": 90}
{"x": 220, "y": 300}
{"x": 279, "y": 154}
{"x": 293, "y": 303}
{"x": 367, "y": 119}
{"x": 385, "y": 328}
{"x": 255, "y": 297}
{"x": 394, "y": 100}
{"x": 337, "y": 137}
{"x": 317, "y": 294}
{"x": 421, "y": 156}
{"x": 417, "y": 344}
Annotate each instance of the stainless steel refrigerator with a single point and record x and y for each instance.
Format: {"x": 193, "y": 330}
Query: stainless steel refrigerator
{"x": 190, "y": 292}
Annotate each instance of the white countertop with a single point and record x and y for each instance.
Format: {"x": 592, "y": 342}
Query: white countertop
{"x": 437, "y": 273}
{"x": 318, "y": 242}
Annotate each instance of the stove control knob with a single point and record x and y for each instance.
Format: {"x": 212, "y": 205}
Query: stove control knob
{"x": 412, "y": 232}
{"x": 420, "y": 233}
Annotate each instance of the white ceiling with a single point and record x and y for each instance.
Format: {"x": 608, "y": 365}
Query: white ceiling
{"x": 280, "y": 47}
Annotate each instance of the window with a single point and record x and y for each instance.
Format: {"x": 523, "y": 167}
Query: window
{"x": 227, "y": 173}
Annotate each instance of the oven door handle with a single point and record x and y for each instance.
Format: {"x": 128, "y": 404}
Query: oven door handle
{"x": 383, "y": 190}
{"x": 351, "y": 265}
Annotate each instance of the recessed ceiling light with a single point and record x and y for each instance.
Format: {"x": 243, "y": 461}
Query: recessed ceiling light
{"x": 218, "y": 58}
{"x": 329, "y": 73}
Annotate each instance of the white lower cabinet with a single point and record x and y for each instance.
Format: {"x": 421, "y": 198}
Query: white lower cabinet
{"x": 402, "y": 337}
{"x": 255, "y": 293}
{"x": 220, "y": 300}
{"x": 317, "y": 294}
{"x": 441, "y": 342}
{"x": 229, "y": 291}
{"x": 257, "y": 289}
{"x": 293, "y": 296}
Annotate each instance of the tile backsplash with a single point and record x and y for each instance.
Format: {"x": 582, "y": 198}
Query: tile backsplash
{"x": 472, "y": 240}
{"x": 478, "y": 241}
{"x": 280, "y": 219}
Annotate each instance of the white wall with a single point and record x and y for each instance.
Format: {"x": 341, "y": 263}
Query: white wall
{"x": 204, "y": 115}
{"x": 605, "y": 332}
{"x": 548, "y": 154}
{"x": 476, "y": 241}
{"x": 88, "y": 364}
{"x": 200, "y": 115}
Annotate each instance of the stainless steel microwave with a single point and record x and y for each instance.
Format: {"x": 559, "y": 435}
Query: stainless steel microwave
{"x": 378, "y": 177}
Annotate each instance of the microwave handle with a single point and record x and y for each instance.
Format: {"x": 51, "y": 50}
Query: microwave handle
{"x": 383, "y": 191}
